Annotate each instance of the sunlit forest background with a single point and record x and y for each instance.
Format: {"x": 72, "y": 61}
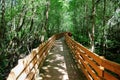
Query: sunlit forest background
{"x": 24, "y": 24}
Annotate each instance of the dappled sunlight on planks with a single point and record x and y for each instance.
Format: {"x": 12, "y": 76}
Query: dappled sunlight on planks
{"x": 59, "y": 65}
{"x": 55, "y": 67}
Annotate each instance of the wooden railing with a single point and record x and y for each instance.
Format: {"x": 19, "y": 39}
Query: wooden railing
{"x": 94, "y": 67}
{"x": 27, "y": 68}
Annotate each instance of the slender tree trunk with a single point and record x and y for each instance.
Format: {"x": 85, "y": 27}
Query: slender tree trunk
{"x": 46, "y": 17}
{"x": 86, "y": 21}
{"x": 13, "y": 19}
{"x": 104, "y": 21}
{"x": 93, "y": 27}
{"x": 104, "y": 12}
{"x": 32, "y": 21}
{"x": 75, "y": 20}
{"x": 21, "y": 18}
{"x": 2, "y": 23}
{"x": 46, "y": 14}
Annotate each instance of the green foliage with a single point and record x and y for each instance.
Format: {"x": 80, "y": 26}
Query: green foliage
{"x": 19, "y": 39}
{"x": 26, "y": 22}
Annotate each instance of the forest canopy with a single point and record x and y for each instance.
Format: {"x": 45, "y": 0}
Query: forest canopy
{"x": 24, "y": 24}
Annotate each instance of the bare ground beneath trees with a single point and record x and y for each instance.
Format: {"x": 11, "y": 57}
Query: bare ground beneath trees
{"x": 60, "y": 65}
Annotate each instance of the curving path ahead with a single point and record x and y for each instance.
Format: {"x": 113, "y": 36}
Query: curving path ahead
{"x": 60, "y": 65}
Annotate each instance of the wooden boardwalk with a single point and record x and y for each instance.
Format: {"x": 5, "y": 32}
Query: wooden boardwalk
{"x": 60, "y": 65}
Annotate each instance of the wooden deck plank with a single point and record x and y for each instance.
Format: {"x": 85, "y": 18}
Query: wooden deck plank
{"x": 60, "y": 65}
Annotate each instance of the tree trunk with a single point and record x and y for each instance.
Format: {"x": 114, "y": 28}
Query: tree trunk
{"x": 32, "y": 20}
{"x": 104, "y": 36}
{"x": 21, "y": 19}
{"x": 104, "y": 12}
{"x": 46, "y": 14}
{"x": 46, "y": 17}
{"x": 93, "y": 27}
{"x": 2, "y": 24}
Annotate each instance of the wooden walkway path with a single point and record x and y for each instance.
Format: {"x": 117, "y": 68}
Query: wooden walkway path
{"x": 60, "y": 65}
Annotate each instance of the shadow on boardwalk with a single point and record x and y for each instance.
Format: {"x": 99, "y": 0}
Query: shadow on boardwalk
{"x": 60, "y": 65}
